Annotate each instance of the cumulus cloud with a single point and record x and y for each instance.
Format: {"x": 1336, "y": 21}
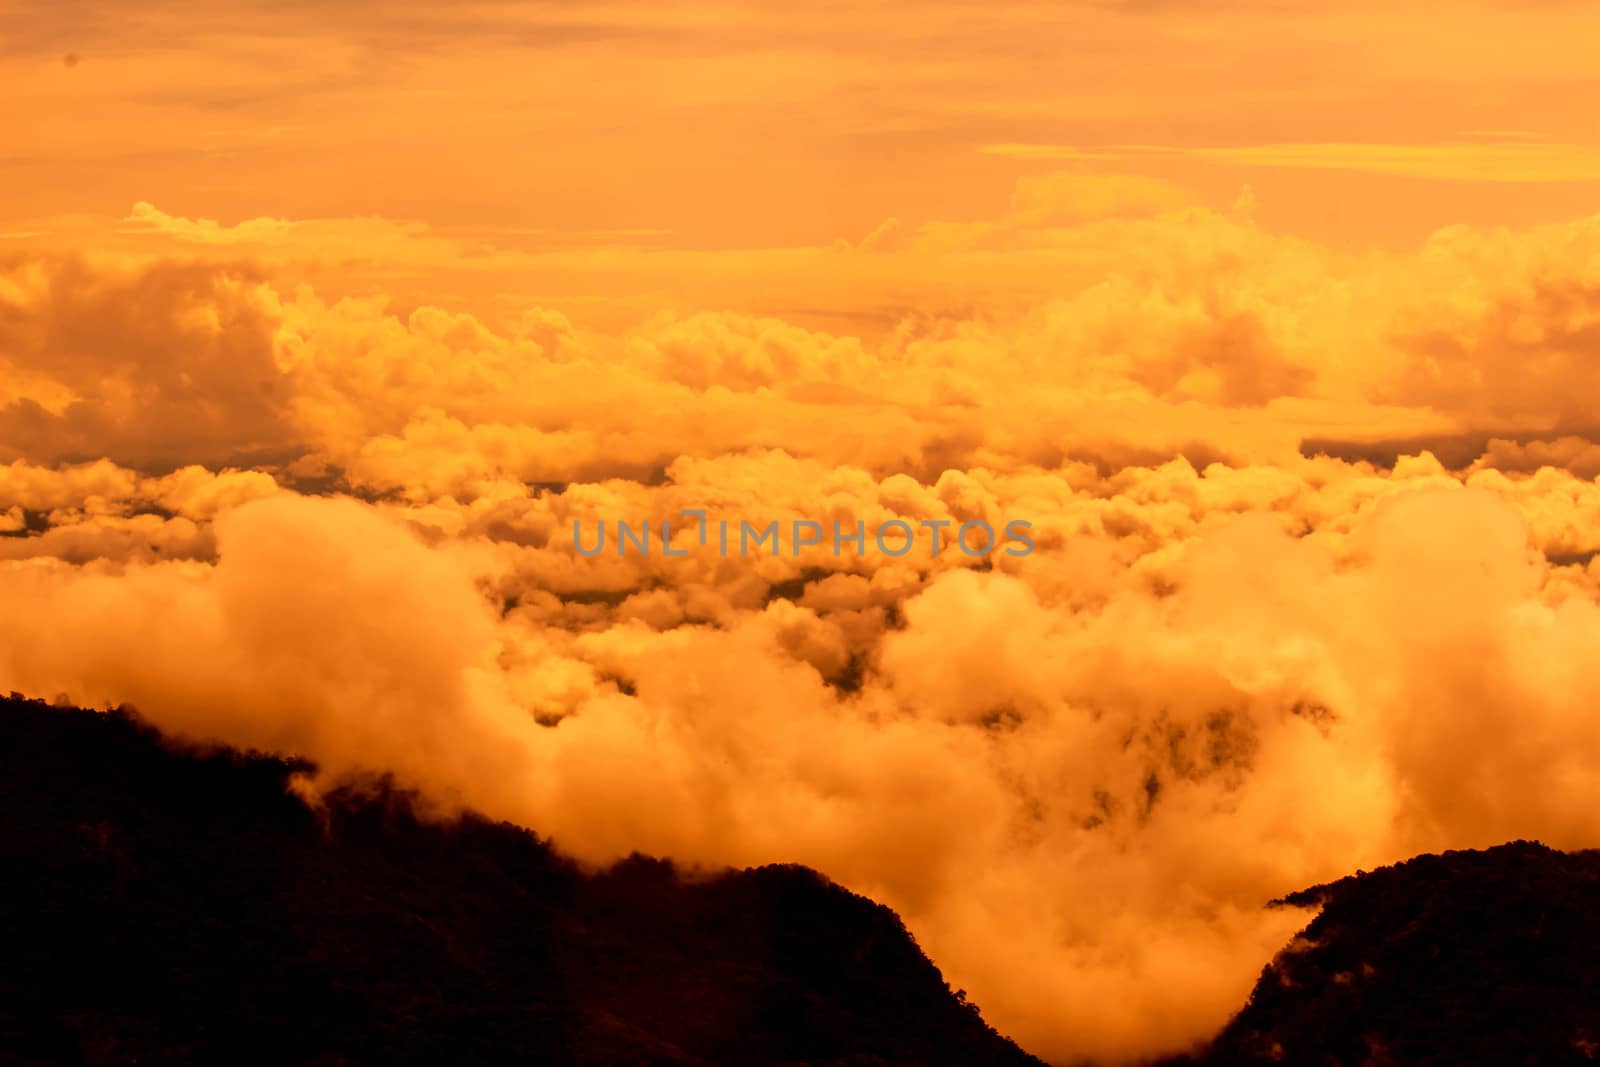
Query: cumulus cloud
{"x": 156, "y": 366}
{"x": 1313, "y": 588}
{"x": 1078, "y": 780}
{"x": 1134, "y": 326}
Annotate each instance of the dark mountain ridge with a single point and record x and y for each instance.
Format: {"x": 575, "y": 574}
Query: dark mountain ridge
{"x": 175, "y": 905}
{"x": 165, "y": 904}
{"x": 1481, "y": 958}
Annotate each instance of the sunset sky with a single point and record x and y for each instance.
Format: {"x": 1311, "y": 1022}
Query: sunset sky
{"x": 321, "y": 325}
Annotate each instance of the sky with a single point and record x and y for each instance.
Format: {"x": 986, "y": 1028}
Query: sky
{"x": 323, "y": 325}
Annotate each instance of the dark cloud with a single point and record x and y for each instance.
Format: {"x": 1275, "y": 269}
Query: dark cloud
{"x": 166, "y": 365}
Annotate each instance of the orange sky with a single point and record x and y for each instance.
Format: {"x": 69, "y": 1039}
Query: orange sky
{"x": 322, "y": 325}
{"x": 767, "y": 124}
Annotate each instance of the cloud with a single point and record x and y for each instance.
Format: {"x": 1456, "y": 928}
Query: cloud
{"x": 1051, "y": 152}
{"x": 156, "y": 366}
{"x": 209, "y": 231}
{"x": 340, "y": 522}
{"x": 1024, "y": 763}
{"x": 1489, "y": 157}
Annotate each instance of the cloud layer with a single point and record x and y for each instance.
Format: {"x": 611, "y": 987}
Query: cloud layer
{"x": 1313, "y": 587}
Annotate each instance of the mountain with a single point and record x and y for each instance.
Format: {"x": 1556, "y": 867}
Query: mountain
{"x": 166, "y": 904}
{"x": 1480, "y": 958}
{"x": 170, "y": 905}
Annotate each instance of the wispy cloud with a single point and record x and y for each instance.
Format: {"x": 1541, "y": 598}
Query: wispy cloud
{"x": 1498, "y": 160}
{"x": 1044, "y": 151}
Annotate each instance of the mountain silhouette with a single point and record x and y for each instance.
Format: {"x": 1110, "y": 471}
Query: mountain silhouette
{"x": 175, "y": 905}
{"x": 165, "y": 903}
{"x": 1481, "y": 958}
